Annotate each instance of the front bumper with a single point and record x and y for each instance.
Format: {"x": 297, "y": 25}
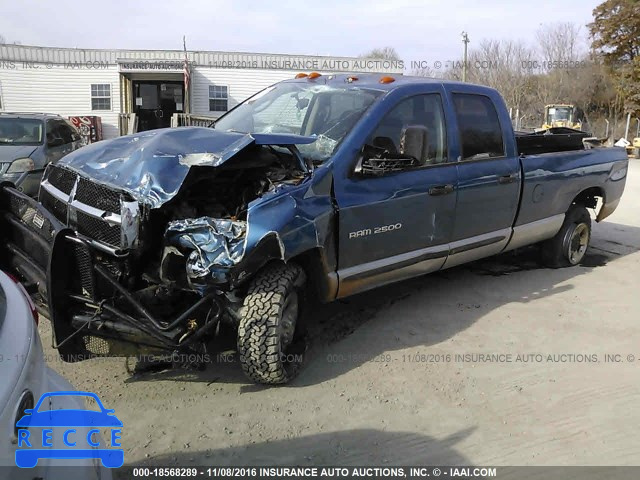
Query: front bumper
{"x": 27, "y": 231}
{"x": 92, "y": 312}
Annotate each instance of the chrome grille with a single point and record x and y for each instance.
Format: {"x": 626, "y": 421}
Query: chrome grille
{"x": 62, "y": 179}
{"x": 98, "y": 196}
{"x": 92, "y": 209}
{"x": 98, "y": 229}
{"x": 55, "y": 206}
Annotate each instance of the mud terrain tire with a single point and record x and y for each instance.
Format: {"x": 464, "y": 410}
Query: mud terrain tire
{"x": 271, "y": 341}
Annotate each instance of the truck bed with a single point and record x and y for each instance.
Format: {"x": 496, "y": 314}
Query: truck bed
{"x": 550, "y": 140}
{"x": 546, "y": 187}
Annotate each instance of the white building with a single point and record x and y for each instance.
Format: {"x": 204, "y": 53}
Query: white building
{"x": 149, "y": 83}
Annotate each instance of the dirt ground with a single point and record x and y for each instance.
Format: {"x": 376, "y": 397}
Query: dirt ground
{"x": 387, "y": 380}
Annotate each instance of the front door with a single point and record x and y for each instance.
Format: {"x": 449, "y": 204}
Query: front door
{"x": 398, "y": 224}
{"x": 156, "y": 102}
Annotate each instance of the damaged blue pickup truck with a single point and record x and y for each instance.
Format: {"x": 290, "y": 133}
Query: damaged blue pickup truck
{"x": 313, "y": 189}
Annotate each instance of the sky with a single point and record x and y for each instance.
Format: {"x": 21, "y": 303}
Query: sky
{"x": 418, "y": 30}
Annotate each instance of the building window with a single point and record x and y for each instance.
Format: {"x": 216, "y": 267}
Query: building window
{"x": 1, "y": 104}
{"x": 218, "y": 98}
{"x": 100, "y": 96}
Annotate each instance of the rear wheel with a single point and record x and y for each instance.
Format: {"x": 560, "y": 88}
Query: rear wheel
{"x": 570, "y": 244}
{"x": 271, "y": 342}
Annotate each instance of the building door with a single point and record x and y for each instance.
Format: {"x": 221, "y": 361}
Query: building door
{"x": 155, "y": 102}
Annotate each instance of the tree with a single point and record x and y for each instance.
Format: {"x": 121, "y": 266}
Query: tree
{"x": 615, "y": 33}
{"x": 500, "y": 64}
{"x": 560, "y": 42}
{"x": 385, "y": 53}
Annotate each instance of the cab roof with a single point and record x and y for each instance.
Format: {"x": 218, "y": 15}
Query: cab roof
{"x": 378, "y": 81}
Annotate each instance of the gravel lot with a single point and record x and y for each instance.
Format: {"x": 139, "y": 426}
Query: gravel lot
{"x": 384, "y": 382}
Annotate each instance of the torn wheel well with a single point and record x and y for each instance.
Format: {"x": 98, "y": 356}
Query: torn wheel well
{"x": 321, "y": 277}
{"x": 589, "y": 197}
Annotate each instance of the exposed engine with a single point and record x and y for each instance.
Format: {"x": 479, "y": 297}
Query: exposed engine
{"x": 166, "y": 286}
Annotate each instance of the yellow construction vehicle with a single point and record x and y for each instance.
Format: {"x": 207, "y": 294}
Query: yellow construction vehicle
{"x": 633, "y": 149}
{"x": 562, "y": 115}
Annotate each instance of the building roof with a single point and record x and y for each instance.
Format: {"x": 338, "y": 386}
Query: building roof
{"x": 272, "y": 61}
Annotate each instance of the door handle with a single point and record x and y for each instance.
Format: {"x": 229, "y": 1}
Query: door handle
{"x": 441, "y": 190}
{"x": 504, "y": 179}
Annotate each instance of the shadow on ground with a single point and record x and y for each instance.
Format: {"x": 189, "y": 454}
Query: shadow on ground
{"x": 467, "y": 293}
{"x": 347, "y": 448}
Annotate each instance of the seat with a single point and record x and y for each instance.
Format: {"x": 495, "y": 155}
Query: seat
{"x": 410, "y": 139}
{"x": 386, "y": 143}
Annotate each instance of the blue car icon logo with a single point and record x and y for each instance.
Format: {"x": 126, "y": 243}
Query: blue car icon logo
{"x": 68, "y": 434}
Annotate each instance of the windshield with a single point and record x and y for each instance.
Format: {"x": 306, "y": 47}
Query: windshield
{"x": 21, "y": 131}
{"x": 325, "y": 112}
{"x": 559, "y": 114}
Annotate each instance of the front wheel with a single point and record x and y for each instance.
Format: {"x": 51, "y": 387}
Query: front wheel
{"x": 271, "y": 343}
{"x": 570, "y": 244}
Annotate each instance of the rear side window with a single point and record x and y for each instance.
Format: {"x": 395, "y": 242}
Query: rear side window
{"x": 480, "y": 132}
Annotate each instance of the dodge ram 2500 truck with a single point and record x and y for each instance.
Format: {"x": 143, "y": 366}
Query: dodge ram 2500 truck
{"x": 323, "y": 186}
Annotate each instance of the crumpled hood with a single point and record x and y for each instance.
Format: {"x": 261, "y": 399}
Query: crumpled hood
{"x": 9, "y": 153}
{"x": 152, "y": 165}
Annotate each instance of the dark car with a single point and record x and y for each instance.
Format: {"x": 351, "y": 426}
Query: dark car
{"x": 29, "y": 142}
{"x": 322, "y": 186}
{"x": 26, "y": 377}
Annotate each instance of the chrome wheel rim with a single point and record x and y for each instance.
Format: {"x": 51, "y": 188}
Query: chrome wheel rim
{"x": 578, "y": 243}
{"x": 288, "y": 320}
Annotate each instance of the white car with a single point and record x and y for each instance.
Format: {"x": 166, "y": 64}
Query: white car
{"x": 25, "y": 377}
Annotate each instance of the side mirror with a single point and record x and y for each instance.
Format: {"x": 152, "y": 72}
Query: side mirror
{"x": 376, "y": 161}
{"x": 414, "y": 142}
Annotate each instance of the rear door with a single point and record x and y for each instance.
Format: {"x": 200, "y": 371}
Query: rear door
{"x": 398, "y": 224}
{"x": 489, "y": 178}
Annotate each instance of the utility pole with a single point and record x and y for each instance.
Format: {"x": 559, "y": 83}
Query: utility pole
{"x": 626, "y": 130}
{"x": 465, "y": 40}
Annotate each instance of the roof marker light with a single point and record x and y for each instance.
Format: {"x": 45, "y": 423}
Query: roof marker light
{"x": 387, "y": 80}
{"x": 351, "y": 79}
{"x": 301, "y": 75}
{"x": 313, "y": 75}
